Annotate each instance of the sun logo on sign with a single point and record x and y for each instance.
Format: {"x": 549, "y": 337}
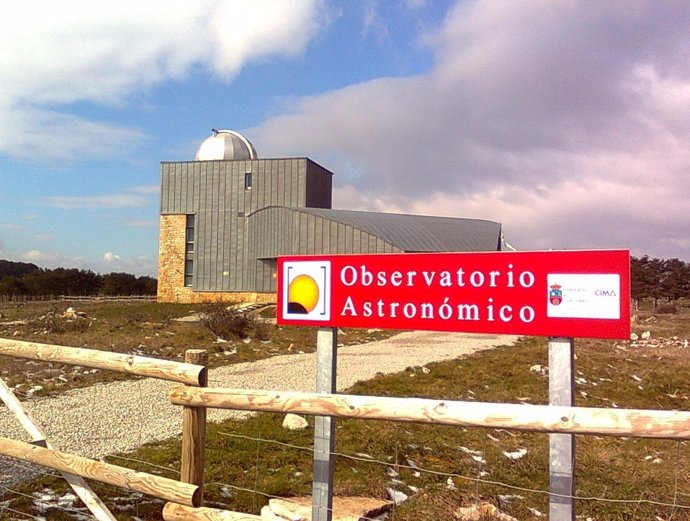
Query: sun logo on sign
{"x": 303, "y": 295}
{"x": 306, "y": 290}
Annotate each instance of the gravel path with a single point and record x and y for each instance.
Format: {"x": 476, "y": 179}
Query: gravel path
{"x": 121, "y": 416}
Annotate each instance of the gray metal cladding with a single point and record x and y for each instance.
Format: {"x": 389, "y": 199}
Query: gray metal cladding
{"x": 417, "y": 233}
{"x": 215, "y": 192}
{"x": 289, "y": 231}
{"x": 240, "y": 230}
{"x": 280, "y": 230}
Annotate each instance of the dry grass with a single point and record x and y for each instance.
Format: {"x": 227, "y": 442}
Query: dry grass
{"x": 142, "y": 328}
{"x": 632, "y": 479}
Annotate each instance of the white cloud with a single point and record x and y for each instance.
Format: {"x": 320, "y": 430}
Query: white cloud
{"x": 137, "y": 196}
{"x": 568, "y": 122}
{"x": 122, "y": 200}
{"x": 138, "y": 265}
{"x": 101, "y": 52}
{"x": 373, "y": 24}
{"x": 142, "y": 223}
{"x": 243, "y": 31}
{"x": 11, "y": 227}
{"x": 109, "y": 256}
{"x": 47, "y": 259}
{"x": 148, "y": 189}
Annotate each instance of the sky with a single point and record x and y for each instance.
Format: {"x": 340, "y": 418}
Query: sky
{"x": 566, "y": 121}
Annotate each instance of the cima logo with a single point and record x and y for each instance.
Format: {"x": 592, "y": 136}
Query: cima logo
{"x": 306, "y": 290}
{"x": 555, "y": 294}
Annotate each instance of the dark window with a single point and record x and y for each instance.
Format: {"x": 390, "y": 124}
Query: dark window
{"x": 189, "y": 252}
{"x": 248, "y": 181}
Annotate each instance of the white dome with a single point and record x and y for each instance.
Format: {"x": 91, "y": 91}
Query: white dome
{"x": 225, "y": 145}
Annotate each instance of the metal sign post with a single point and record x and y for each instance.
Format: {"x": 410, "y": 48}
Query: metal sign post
{"x": 561, "y": 446}
{"x": 324, "y": 426}
{"x": 559, "y": 294}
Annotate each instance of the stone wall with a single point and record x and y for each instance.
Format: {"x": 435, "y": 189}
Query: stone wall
{"x": 171, "y": 247}
{"x": 187, "y": 296}
{"x": 171, "y": 257}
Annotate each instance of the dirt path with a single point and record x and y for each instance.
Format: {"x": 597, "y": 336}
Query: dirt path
{"x": 121, "y": 416}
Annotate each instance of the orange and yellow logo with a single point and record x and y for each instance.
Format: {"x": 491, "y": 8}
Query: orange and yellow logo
{"x": 303, "y": 295}
{"x": 306, "y": 290}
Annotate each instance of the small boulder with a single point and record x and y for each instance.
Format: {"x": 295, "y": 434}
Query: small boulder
{"x": 344, "y": 508}
{"x": 268, "y": 515}
{"x": 396, "y": 496}
{"x": 294, "y": 422}
{"x": 481, "y": 511}
{"x": 71, "y": 313}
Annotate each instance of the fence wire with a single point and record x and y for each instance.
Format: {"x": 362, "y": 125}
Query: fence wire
{"x": 54, "y": 501}
{"x": 674, "y": 505}
{"x": 470, "y": 479}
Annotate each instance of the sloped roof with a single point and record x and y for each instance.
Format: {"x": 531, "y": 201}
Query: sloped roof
{"x": 419, "y": 233}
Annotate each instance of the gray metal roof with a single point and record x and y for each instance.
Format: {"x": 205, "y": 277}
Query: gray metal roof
{"x": 419, "y": 233}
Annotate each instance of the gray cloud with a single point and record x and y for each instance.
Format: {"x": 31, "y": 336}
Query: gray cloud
{"x": 569, "y": 122}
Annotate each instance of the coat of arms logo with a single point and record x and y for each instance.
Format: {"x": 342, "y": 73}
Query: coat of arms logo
{"x": 555, "y": 294}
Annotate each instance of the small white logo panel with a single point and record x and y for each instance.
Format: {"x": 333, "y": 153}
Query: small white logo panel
{"x": 306, "y": 290}
{"x": 583, "y": 296}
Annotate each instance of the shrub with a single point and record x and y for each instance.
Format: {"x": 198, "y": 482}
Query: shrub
{"x": 227, "y": 321}
{"x": 56, "y": 322}
{"x": 667, "y": 309}
{"x": 262, "y": 331}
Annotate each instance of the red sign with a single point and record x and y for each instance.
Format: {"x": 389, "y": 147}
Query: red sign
{"x": 552, "y": 293}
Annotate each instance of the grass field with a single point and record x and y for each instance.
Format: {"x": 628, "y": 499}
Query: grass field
{"x": 443, "y": 468}
{"x": 140, "y": 328}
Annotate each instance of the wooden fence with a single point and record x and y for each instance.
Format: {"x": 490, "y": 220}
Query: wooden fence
{"x": 185, "y": 498}
{"x": 194, "y": 372}
{"x": 530, "y": 418}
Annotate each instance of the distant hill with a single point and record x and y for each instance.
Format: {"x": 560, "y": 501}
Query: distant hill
{"x": 21, "y": 278}
{"x": 16, "y": 269}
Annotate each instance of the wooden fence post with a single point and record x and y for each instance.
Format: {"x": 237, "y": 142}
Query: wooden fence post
{"x": 194, "y": 430}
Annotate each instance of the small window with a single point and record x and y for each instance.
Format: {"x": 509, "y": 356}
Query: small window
{"x": 248, "y": 181}
{"x": 189, "y": 273}
{"x": 189, "y": 252}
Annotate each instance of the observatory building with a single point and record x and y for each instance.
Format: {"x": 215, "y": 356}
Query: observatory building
{"x": 227, "y": 216}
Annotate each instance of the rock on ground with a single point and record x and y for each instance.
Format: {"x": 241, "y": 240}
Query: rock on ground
{"x": 344, "y": 508}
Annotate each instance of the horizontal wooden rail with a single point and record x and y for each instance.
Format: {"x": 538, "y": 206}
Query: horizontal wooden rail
{"x": 175, "y": 512}
{"x": 179, "y": 372}
{"x": 532, "y": 418}
{"x": 162, "y": 488}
